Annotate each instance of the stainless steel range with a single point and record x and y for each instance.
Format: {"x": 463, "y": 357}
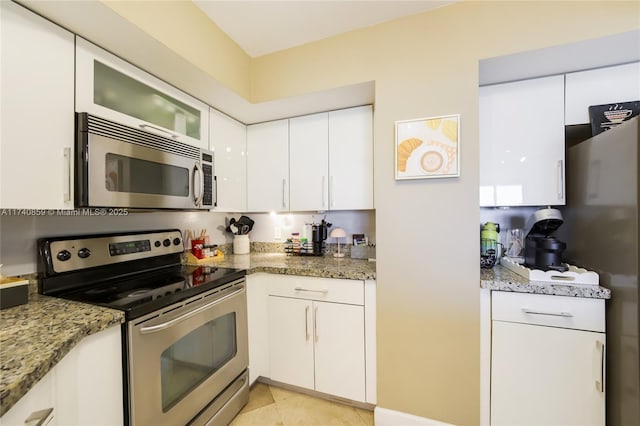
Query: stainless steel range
{"x": 185, "y": 335}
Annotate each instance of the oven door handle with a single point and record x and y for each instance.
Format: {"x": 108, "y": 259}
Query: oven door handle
{"x": 171, "y": 323}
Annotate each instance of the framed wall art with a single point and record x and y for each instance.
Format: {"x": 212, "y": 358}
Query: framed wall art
{"x": 428, "y": 147}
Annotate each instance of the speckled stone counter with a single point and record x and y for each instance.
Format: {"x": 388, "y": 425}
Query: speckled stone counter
{"x": 311, "y": 266}
{"x": 502, "y": 279}
{"x": 35, "y": 336}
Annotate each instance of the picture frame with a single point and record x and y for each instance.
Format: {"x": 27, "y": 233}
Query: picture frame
{"x": 427, "y": 147}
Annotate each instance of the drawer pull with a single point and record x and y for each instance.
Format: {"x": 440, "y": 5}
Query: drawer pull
{"x": 313, "y": 291}
{"x": 553, "y": 314}
{"x": 40, "y": 418}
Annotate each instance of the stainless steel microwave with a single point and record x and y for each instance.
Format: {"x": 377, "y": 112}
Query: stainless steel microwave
{"x": 122, "y": 166}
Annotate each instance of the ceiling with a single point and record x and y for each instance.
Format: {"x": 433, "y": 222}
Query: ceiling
{"x": 266, "y": 26}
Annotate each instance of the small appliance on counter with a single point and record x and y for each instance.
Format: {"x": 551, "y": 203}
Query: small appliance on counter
{"x": 542, "y": 250}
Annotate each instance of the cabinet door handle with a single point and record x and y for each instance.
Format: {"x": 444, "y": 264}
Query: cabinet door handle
{"x": 306, "y": 322}
{"x": 314, "y": 291}
{"x": 315, "y": 323}
{"x": 553, "y": 314}
{"x": 324, "y": 185}
{"x": 560, "y": 180}
{"x": 331, "y": 190}
{"x": 147, "y": 126}
{"x": 67, "y": 177}
{"x": 284, "y": 187}
{"x": 600, "y": 381}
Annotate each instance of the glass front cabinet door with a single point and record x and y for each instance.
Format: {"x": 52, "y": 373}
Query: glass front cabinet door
{"x": 112, "y": 88}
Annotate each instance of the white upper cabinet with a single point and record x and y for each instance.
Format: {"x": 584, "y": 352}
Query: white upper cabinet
{"x": 308, "y": 162}
{"x": 228, "y": 141}
{"x": 522, "y": 143}
{"x": 331, "y": 160}
{"x": 328, "y": 165}
{"x": 37, "y": 132}
{"x": 600, "y": 86}
{"x": 114, "y": 89}
{"x": 268, "y": 166}
{"x": 351, "y": 159}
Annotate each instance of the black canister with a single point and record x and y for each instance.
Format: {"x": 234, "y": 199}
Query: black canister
{"x": 548, "y": 254}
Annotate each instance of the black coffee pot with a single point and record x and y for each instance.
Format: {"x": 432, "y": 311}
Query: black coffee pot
{"x": 319, "y": 233}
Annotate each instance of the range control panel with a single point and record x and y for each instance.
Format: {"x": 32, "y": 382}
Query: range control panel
{"x": 80, "y": 253}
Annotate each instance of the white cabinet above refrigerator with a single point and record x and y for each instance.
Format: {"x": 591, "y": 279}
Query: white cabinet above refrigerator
{"x": 522, "y": 143}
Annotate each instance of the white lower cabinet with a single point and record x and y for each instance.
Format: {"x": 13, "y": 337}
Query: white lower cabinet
{"x": 318, "y": 345}
{"x": 314, "y": 333}
{"x": 89, "y": 381}
{"x": 40, "y": 397}
{"x": 547, "y": 360}
{"x": 291, "y": 341}
{"x": 84, "y": 388}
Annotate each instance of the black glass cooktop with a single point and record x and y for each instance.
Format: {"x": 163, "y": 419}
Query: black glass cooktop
{"x": 144, "y": 293}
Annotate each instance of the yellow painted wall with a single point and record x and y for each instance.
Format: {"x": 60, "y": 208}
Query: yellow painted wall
{"x": 183, "y": 27}
{"x": 427, "y": 230}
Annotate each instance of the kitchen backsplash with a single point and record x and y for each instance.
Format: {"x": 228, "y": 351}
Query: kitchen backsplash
{"x": 19, "y": 233}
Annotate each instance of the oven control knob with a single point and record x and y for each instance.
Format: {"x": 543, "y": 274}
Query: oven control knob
{"x": 166, "y": 242}
{"x": 157, "y": 244}
{"x": 176, "y": 241}
{"x": 84, "y": 252}
{"x": 63, "y": 255}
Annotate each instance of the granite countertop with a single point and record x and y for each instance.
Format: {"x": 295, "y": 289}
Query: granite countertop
{"x": 502, "y": 279}
{"x": 311, "y": 266}
{"x": 36, "y": 335}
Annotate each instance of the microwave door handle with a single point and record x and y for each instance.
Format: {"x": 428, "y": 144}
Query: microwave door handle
{"x": 147, "y": 126}
{"x": 198, "y": 200}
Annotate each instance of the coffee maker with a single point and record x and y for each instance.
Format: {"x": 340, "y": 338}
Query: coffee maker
{"x": 541, "y": 250}
{"x": 319, "y": 233}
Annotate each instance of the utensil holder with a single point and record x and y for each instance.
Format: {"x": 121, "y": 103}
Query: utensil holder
{"x": 196, "y": 248}
{"x": 241, "y": 244}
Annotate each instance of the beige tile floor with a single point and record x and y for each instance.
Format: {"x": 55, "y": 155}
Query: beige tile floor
{"x": 273, "y": 406}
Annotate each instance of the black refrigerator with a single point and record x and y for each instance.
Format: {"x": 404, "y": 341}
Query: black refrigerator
{"x": 601, "y": 221}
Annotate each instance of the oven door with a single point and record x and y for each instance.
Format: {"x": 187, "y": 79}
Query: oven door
{"x": 123, "y": 174}
{"x": 183, "y": 356}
